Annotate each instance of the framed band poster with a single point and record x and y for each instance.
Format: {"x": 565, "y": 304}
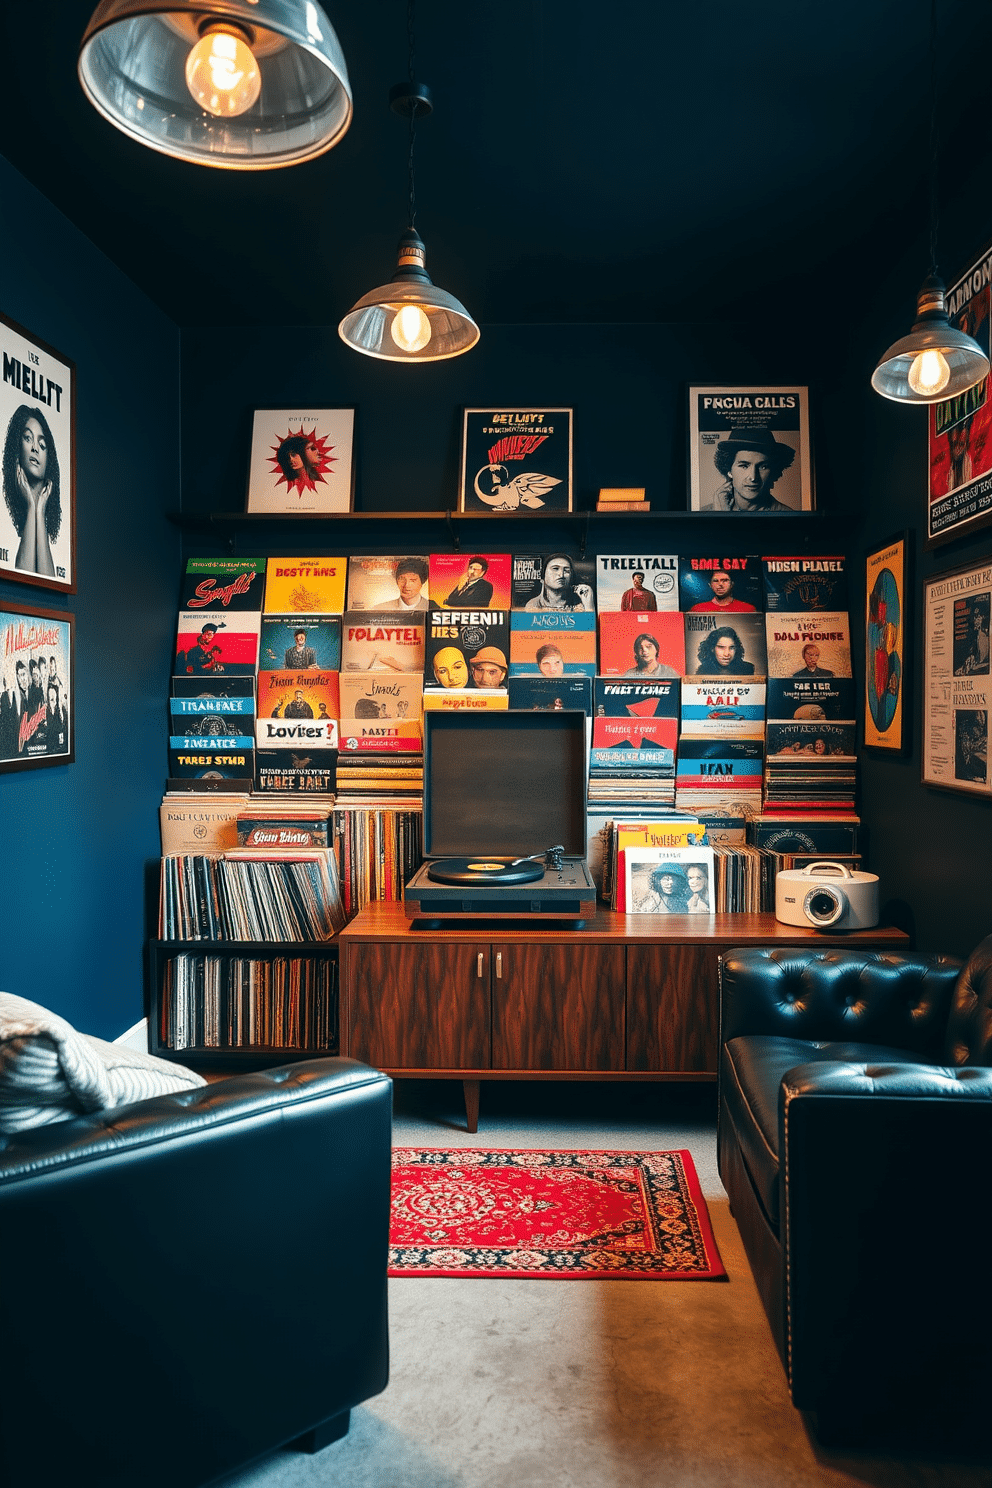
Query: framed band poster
{"x": 959, "y": 468}
{"x": 38, "y": 426}
{"x": 957, "y": 687}
{"x": 749, "y": 449}
{"x": 37, "y": 715}
{"x": 886, "y": 671}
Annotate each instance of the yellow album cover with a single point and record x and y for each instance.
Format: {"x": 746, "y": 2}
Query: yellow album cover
{"x": 305, "y": 586}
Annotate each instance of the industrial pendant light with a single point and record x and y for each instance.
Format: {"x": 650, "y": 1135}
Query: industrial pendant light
{"x": 241, "y": 84}
{"x": 409, "y": 319}
{"x": 935, "y": 361}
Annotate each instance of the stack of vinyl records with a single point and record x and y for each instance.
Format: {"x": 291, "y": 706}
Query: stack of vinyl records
{"x": 634, "y": 731}
{"x": 378, "y": 849}
{"x": 394, "y": 780}
{"x": 231, "y": 1002}
{"x": 261, "y": 894}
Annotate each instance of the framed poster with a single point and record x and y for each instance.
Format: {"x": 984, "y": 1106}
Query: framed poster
{"x": 37, "y": 724}
{"x": 957, "y": 688}
{"x": 516, "y": 460}
{"x": 38, "y": 422}
{"x": 749, "y": 449}
{"x": 959, "y": 467}
{"x": 886, "y": 635}
{"x": 302, "y": 461}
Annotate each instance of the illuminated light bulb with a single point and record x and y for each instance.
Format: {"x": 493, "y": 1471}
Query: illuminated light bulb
{"x": 222, "y": 74}
{"x": 929, "y": 374}
{"x": 411, "y": 329}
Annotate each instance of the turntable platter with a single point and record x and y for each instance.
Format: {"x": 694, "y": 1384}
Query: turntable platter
{"x": 481, "y": 871}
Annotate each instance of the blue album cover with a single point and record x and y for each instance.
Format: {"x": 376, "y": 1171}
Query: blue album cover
{"x": 795, "y": 584}
{"x": 300, "y": 643}
{"x": 194, "y": 710}
{"x": 712, "y": 761}
{"x": 811, "y": 697}
{"x": 550, "y": 694}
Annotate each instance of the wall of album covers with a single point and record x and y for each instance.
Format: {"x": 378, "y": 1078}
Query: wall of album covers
{"x": 77, "y": 836}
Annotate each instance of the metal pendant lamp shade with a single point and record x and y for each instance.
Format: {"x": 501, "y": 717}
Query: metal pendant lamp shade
{"x": 935, "y": 361}
{"x": 273, "y": 92}
{"x": 409, "y": 319}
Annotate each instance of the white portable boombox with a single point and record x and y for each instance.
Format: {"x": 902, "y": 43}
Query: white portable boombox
{"x": 827, "y": 896}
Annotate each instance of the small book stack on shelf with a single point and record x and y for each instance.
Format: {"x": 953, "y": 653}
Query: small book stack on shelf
{"x": 622, "y": 498}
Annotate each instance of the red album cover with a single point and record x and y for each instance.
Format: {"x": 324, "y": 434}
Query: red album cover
{"x": 298, "y": 694}
{"x": 635, "y": 733}
{"x": 471, "y": 581}
{"x": 641, "y": 644}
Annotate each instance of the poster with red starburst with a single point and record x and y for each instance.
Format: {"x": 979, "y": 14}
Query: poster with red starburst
{"x": 302, "y": 461}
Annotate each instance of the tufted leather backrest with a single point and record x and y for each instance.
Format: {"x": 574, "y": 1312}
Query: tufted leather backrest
{"x": 969, "y": 1027}
{"x": 874, "y": 997}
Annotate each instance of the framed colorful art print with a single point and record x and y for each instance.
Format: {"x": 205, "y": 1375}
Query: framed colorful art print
{"x": 302, "y": 461}
{"x": 959, "y": 467}
{"x": 516, "y": 460}
{"x": 957, "y": 684}
{"x": 37, "y": 714}
{"x": 887, "y": 720}
{"x": 749, "y": 449}
{"x": 38, "y": 423}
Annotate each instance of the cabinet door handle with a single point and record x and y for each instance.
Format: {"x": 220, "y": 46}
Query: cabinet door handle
{"x": 479, "y": 965}
{"x": 499, "y": 966}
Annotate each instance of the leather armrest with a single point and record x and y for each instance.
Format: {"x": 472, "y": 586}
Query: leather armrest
{"x": 873, "y": 997}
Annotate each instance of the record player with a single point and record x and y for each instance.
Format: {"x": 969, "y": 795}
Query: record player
{"x": 504, "y": 818}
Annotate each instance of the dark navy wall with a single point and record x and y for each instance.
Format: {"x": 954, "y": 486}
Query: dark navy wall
{"x": 76, "y": 838}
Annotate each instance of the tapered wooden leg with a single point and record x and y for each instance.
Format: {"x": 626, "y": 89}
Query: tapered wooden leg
{"x": 471, "y": 1089}
{"x": 321, "y": 1436}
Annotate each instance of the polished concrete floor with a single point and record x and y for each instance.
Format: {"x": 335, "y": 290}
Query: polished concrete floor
{"x": 585, "y": 1384}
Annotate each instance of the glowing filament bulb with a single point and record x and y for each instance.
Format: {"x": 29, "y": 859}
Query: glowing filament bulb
{"x": 222, "y": 74}
{"x": 929, "y": 374}
{"x": 411, "y": 329}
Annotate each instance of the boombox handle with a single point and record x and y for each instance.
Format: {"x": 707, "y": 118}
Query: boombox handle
{"x": 841, "y": 869}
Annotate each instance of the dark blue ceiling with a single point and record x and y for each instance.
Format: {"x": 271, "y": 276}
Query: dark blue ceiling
{"x": 638, "y": 161}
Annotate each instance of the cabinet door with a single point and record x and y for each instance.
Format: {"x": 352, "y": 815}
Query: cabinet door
{"x": 558, "y": 1007}
{"x": 420, "y": 1007}
{"x": 672, "y": 1007}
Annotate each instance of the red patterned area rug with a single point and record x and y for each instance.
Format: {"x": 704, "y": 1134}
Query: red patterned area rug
{"x": 597, "y": 1216}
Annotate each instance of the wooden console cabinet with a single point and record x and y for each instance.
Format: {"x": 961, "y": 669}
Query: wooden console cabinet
{"x": 631, "y": 997}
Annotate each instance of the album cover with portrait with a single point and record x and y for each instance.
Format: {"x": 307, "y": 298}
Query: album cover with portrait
{"x": 209, "y": 644}
{"x": 724, "y": 646}
{"x": 807, "y": 646}
{"x": 298, "y": 694}
{"x": 471, "y": 581}
{"x": 300, "y": 643}
{"x": 466, "y": 648}
{"x": 643, "y": 645}
{"x": 628, "y": 581}
{"x": 553, "y": 581}
{"x": 399, "y": 582}
{"x": 552, "y": 645}
{"x": 721, "y": 581}
{"x": 302, "y": 461}
{"x": 669, "y": 880}
{"x": 749, "y": 449}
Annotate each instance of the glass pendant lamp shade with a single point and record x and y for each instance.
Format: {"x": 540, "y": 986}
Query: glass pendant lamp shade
{"x": 409, "y": 319}
{"x": 935, "y": 361}
{"x": 240, "y": 84}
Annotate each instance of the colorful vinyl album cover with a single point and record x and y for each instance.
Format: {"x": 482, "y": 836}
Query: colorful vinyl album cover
{"x": 293, "y": 771}
{"x": 615, "y": 699}
{"x": 300, "y": 643}
{"x": 394, "y": 583}
{"x": 357, "y": 737}
{"x": 806, "y": 583}
{"x": 550, "y": 694}
{"x": 302, "y": 461}
{"x": 37, "y": 399}
{"x": 198, "y": 763}
{"x": 370, "y": 695}
{"x": 641, "y": 644}
{"x": 719, "y": 764}
{"x": 211, "y": 645}
{"x": 960, "y": 474}
{"x": 382, "y": 641}
{"x": 807, "y": 646}
{"x": 749, "y": 449}
{"x": 212, "y": 716}
{"x": 517, "y": 459}
{"x": 295, "y": 732}
{"x": 553, "y": 581}
{"x": 725, "y": 645}
{"x": 305, "y": 586}
{"x": 669, "y": 880}
{"x": 629, "y": 582}
{"x": 471, "y": 581}
{"x": 721, "y": 583}
{"x": 36, "y": 704}
{"x": 813, "y": 741}
{"x": 237, "y": 738}
{"x": 564, "y": 646}
{"x": 220, "y": 686}
{"x": 223, "y": 584}
{"x": 810, "y": 697}
{"x": 465, "y": 699}
{"x": 295, "y": 694}
{"x": 466, "y": 648}
{"x": 641, "y": 743}
{"x": 732, "y": 710}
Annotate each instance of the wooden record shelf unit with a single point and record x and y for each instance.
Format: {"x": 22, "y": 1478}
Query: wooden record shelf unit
{"x": 631, "y": 997}
{"x": 229, "y": 1057}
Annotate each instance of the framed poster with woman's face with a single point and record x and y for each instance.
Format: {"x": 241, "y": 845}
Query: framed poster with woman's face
{"x": 38, "y": 423}
{"x": 302, "y": 461}
{"x": 749, "y": 449}
{"x": 37, "y": 725}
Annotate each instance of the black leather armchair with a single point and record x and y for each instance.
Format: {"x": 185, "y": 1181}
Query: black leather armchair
{"x": 855, "y": 1134}
{"x": 194, "y": 1281}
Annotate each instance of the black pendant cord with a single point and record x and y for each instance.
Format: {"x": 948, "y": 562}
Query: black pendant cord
{"x": 411, "y": 58}
{"x": 933, "y": 137}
